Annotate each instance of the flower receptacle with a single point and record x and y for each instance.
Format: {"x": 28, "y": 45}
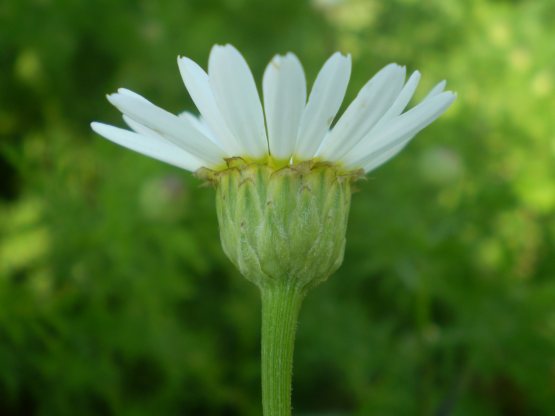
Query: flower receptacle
{"x": 286, "y": 225}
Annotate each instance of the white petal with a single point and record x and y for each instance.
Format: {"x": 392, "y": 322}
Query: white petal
{"x": 284, "y": 87}
{"x": 401, "y": 101}
{"x": 235, "y": 93}
{"x": 438, "y": 88}
{"x": 399, "y": 129}
{"x": 396, "y": 108}
{"x": 132, "y": 94}
{"x": 380, "y": 158}
{"x": 201, "y": 125}
{"x": 197, "y": 83}
{"x": 141, "y": 129}
{"x": 154, "y": 147}
{"x": 325, "y": 99}
{"x": 145, "y": 131}
{"x": 177, "y": 130}
{"x": 373, "y": 100}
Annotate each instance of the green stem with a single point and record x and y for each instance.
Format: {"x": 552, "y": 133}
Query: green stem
{"x": 280, "y": 309}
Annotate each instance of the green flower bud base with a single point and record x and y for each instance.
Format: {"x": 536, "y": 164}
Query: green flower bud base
{"x": 284, "y": 229}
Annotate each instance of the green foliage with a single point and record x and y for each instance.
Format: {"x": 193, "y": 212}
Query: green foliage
{"x": 116, "y": 296}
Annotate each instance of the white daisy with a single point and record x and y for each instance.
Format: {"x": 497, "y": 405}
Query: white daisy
{"x": 290, "y": 129}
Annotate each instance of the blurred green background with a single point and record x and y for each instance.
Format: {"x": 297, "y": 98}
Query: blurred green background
{"x": 116, "y": 298}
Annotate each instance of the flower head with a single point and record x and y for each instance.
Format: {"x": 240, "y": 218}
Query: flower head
{"x": 290, "y": 129}
{"x": 282, "y": 174}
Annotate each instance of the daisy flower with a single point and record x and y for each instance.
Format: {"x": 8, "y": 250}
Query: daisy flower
{"x": 282, "y": 173}
{"x": 289, "y": 128}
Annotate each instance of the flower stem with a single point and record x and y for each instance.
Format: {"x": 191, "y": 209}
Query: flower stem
{"x": 280, "y": 309}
